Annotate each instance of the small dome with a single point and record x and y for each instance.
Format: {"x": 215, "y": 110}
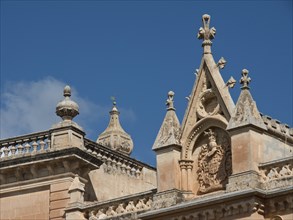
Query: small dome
{"x": 114, "y": 136}
{"x": 67, "y": 109}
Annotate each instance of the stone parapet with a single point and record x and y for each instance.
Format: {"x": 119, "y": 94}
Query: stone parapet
{"x": 247, "y": 204}
{"x": 167, "y": 198}
{"x": 277, "y": 128}
{"x": 276, "y": 174}
{"x": 25, "y": 145}
{"x": 115, "y": 163}
{"x": 243, "y": 181}
{"x": 120, "y": 208}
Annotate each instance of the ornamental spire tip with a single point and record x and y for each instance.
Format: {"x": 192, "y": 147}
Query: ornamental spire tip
{"x": 245, "y": 79}
{"x": 206, "y": 33}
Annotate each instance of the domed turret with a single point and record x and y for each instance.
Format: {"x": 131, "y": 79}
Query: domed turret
{"x": 114, "y": 136}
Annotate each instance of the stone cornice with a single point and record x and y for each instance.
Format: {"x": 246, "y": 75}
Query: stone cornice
{"x": 210, "y": 202}
{"x": 32, "y": 168}
{"x": 48, "y": 156}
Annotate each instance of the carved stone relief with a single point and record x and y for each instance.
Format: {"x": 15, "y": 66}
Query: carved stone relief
{"x": 214, "y": 161}
{"x": 207, "y": 103}
{"x": 170, "y": 130}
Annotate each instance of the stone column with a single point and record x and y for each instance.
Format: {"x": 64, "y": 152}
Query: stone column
{"x": 186, "y": 174}
{"x": 183, "y": 175}
{"x": 189, "y": 175}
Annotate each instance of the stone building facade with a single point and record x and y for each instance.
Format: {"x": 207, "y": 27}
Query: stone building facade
{"x": 223, "y": 161}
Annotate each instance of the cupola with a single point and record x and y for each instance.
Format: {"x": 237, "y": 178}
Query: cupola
{"x": 114, "y": 137}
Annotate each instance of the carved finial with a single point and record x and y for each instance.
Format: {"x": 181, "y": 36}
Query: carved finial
{"x": 67, "y": 109}
{"x": 221, "y": 63}
{"x": 206, "y": 33}
{"x": 245, "y": 80}
{"x": 170, "y": 100}
{"x": 231, "y": 82}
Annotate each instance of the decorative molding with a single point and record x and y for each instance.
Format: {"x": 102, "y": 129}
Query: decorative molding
{"x": 223, "y": 211}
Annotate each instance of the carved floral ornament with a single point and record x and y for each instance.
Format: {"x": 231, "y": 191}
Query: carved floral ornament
{"x": 214, "y": 160}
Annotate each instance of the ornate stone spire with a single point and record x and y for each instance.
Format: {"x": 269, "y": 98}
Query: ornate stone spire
{"x": 170, "y": 129}
{"x": 206, "y": 33}
{"x": 67, "y": 109}
{"x": 114, "y": 136}
{"x": 245, "y": 112}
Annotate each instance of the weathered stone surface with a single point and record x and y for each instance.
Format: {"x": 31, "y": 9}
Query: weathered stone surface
{"x": 167, "y": 198}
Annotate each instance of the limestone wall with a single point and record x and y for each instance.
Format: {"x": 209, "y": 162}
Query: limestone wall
{"x": 32, "y": 204}
{"x": 275, "y": 149}
{"x": 109, "y": 184}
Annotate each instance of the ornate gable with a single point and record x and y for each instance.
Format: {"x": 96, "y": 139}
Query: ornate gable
{"x": 210, "y": 96}
{"x": 206, "y": 145}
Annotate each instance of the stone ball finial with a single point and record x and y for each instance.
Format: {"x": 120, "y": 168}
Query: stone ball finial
{"x": 67, "y": 109}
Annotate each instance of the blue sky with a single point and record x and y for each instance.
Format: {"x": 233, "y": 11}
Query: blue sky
{"x": 136, "y": 51}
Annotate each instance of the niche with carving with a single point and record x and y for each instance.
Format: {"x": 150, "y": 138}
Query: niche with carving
{"x": 214, "y": 162}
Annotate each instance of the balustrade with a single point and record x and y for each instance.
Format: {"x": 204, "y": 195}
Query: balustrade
{"x": 114, "y": 163}
{"x": 25, "y": 145}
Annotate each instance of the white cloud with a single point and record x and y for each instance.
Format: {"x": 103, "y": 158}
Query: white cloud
{"x": 28, "y": 107}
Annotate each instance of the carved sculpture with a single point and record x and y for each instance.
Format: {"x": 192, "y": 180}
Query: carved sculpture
{"x": 214, "y": 161}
